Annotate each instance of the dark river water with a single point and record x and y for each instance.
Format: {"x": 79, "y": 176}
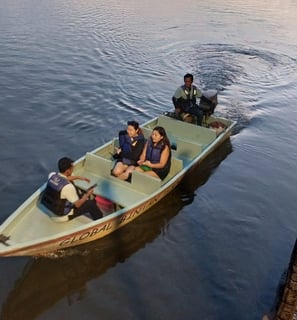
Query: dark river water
{"x": 73, "y": 72}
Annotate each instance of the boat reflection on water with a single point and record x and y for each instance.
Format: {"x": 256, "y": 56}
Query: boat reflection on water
{"x": 199, "y": 174}
{"x": 45, "y": 281}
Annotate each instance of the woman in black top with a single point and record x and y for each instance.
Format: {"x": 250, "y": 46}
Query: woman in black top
{"x": 155, "y": 158}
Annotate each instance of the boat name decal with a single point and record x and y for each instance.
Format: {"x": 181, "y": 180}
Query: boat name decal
{"x": 109, "y": 225}
{"x": 85, "y": 235}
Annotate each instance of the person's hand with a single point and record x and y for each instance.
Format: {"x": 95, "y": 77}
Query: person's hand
{"x": 140, "y": 162}
{"x": 87, "y": 195}
{"x": 87, "y": 180}
{"x": 90, "y": 192}
{"x": 147, "y": 163}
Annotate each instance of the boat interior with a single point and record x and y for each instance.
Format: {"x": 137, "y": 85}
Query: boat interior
{"x": 187, "y": 141}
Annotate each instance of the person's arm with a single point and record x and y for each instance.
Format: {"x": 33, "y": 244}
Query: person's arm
{"x": 122, "y": 138}
{"x": 70, "y": 194}
{"x": 163, "y": 159}
{"x": 198, "y": 93}
{"x": 137, "y": 147}
{"x": 122, "y": 141}
{"x": 178, "y": 101}
{"x": 174, "y": 100}
{"x": 178, "y": 93}
{"x": 72, "y": 178}
{"x": 142, "y": 156}
{"x": 175, "y": 97}
{"x": 84, "y": 198}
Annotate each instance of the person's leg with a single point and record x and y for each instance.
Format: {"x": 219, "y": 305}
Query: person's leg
{"x": 119, "y": 169}
{"x": 152, "y": 173}
{"x": 89, "y": 206}
{"x": 198, "y": 113}
{"x": 126, "y": 174}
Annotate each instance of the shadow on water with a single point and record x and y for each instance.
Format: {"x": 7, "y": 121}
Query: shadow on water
{"x": 199, "y": 175}
{"x": 45, "y": 281}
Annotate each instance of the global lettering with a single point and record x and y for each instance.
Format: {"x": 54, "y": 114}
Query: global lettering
{"x": 85, "y": 235}
{"x": 131, "y": 214}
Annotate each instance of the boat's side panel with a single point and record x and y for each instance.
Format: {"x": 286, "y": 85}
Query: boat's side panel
{"x": 186, "y": 149}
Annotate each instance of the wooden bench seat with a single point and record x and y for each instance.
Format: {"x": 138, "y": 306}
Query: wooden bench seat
{"x": 187, "y": 149}
{"x": 98, "y": 170}
{"x": 114, "y": 189}
{"x": 176, "y": 166}
{"x": 178, "y": 128}
{"x": 145, "y": 183}
{"x": 107, "y": 150}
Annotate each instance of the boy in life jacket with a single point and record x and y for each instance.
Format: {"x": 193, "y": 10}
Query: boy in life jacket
{"x": 185, "y": 100}
{"x": 61, "y": 196}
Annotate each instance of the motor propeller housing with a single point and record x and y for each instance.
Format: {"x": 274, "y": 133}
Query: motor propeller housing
{"x": 208, "y": 102}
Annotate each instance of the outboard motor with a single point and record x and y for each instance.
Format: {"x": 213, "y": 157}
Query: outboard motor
{"x": 207, "y": 105}
{"x": 208, "y": 102}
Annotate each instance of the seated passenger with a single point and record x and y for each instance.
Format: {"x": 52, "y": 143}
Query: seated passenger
{"x": 185, "y": 101}
{"x": 131, "y": 143}
{"x": 155, "y": 158}
{"x": 62, "y": 198}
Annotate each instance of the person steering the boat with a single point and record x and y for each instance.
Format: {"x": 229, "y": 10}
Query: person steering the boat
{"x": 155, "y": 158}
{"x": 62, "y": 197}
{"x": 131, "y": 143}
{"x": 185, "y": 100}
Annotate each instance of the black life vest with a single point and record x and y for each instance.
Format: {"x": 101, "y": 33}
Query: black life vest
{"x": 187, "y": 99}
{"x": 51, "y": 197}
{"x": 190, "y": 94}
{"x": 130, "y": 150}
{"x": 153, "y": 153}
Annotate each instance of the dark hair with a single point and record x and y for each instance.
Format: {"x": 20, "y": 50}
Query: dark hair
{"x": 189, "y": 75}
{"x": 64, "y": 164}
{"x": 134, "y": 124}
{"x": 163, "y": 133}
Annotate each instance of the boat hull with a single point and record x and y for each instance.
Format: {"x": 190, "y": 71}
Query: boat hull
{"x": 88, "y": 234}
{"x": 17, "y": 244}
